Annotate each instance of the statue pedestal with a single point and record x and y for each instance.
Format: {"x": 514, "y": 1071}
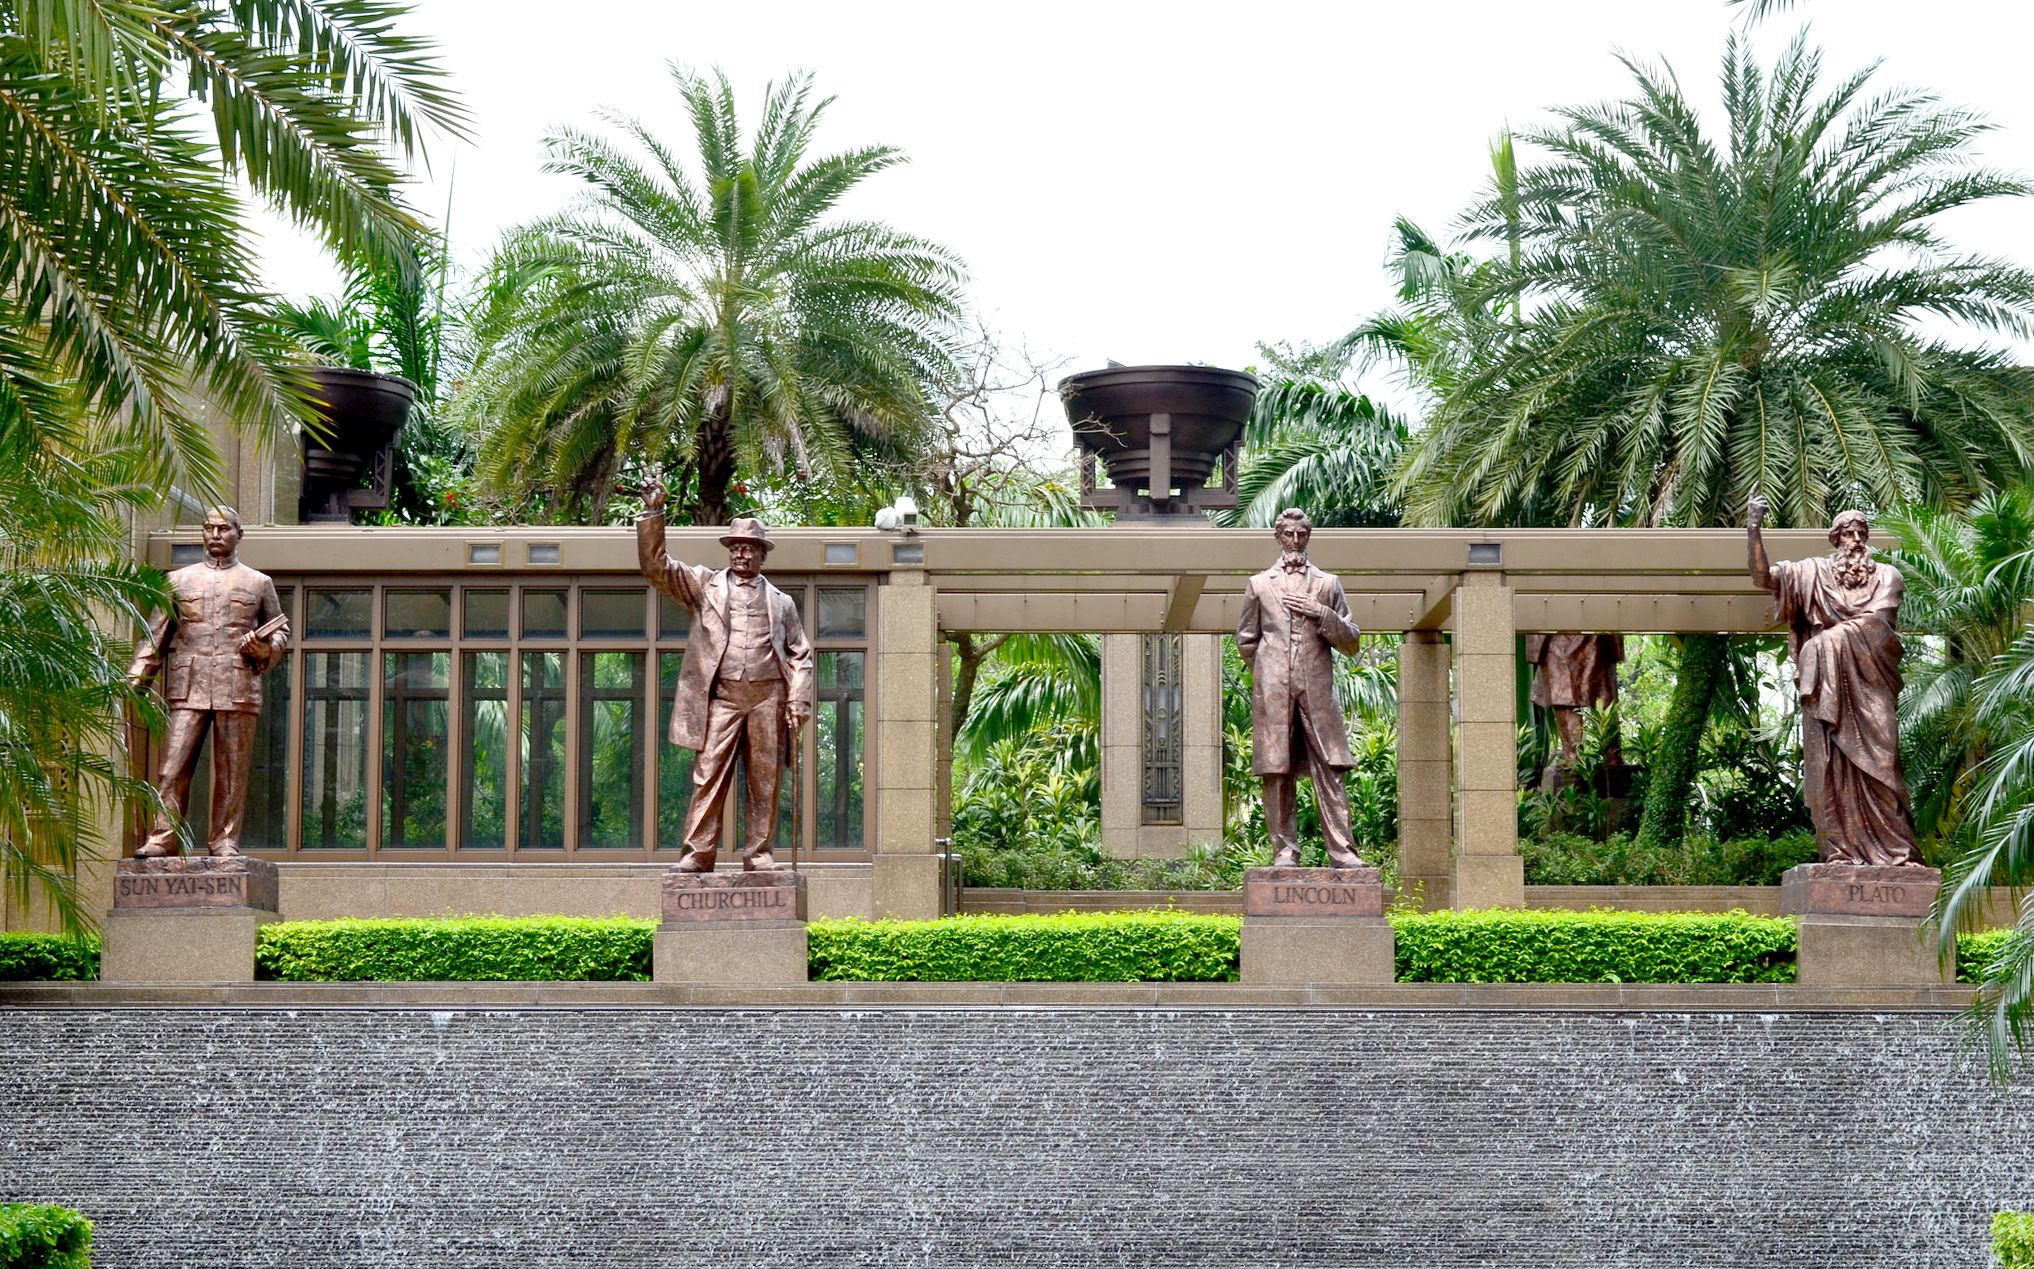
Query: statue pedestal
{"x": 186, "y": 919}
{"x": 1864, "y": 926}
{"x": 731, "y": 927}
{"x": 1315, "y": 925}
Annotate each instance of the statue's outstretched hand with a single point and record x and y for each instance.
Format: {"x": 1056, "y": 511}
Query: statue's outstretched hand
{"x": 654, "y": 495}
{"x": 1755, "y": 512}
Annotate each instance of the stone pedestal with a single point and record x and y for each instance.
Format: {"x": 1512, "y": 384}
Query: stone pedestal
{"x": 731, "y": 927}
{"x": 1315, "y": 925}
{"x": 186, "y": 920}
{"x": 1864, "y": 926}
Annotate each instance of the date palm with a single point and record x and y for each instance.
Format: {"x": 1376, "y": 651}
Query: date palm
{"x": 707, "y": 316}
{"x": 1701, "y": 319}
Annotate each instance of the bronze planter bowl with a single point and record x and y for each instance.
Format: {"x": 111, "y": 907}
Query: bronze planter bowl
{"x": 362, "y": 411}
{"x": 1159, "y": 432}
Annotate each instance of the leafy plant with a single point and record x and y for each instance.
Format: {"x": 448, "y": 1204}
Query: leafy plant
{"x": 2013, "y": 1239}
{"x": 1505, "y": 945}
{"x": 456, "y": 949}
{"x": 29, "y": 957}
{"x": 37, "y": 1236}
{"x": 1092, "y": 947}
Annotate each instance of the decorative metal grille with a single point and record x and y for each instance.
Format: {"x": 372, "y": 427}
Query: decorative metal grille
{"x": 1163, "y": 746}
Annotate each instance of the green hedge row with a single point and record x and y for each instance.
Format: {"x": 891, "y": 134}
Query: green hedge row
{"x": 1094, "y": 947}
{"x": 2013, "y": 1239}
{"x": 1506, "y": 945}
{"x": 456, "y": 949}
{"x": 38, "y": 1237}
{"x": 47, "y": 957}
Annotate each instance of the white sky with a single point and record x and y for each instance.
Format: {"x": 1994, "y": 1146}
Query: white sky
{"x": 1157, "y": 182}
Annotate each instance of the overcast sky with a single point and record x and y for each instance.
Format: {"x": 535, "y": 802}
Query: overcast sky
{"x": 1151, "y": 182}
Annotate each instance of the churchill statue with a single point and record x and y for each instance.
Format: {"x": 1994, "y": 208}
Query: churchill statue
{"x": 1840, "y": 614}
{"x": 223, "y": 630}
{"x": 1295, "y": 618}
{"x": 745, "y": 689}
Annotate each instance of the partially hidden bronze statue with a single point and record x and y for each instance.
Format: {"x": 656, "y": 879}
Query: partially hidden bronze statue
{"x": 1295, "y": 618}
{"x": 746, "y": 687}
{"x": 1572, "y": 672}
{"x": 223, "y": 630}
{"x": 1840, "y": 614}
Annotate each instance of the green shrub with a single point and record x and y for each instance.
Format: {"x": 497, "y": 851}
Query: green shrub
{"x": 1501, "y": 945}
{"x": 1570, "y": 859}
{"x": 47, "y": 957}
{"x": 1096, "y": 947}
{"x": 456, "y": 949}
{"x": 2013, "y": 1239}
{"x": 1975, "y": 953}
{"x": 39, "y": 1237}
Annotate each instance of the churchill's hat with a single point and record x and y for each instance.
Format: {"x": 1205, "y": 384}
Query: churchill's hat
{"x": 746, "y": 529}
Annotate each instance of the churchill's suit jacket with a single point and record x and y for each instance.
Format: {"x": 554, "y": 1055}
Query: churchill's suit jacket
{"x": 1292, "y": 668}
{"x": 705, "y": 592}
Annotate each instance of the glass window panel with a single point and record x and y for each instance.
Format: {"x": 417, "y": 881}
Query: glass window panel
{"x": 416, "y": 614}
{"x": 674, "y": 765}
{"x": 673, "y": 618}
{"x": 611, "y": 748}
{"x": 416, "y": 707}
{"x": 837, "y": 750}
{"x": 611, "y": 614}
{"x": 268, "y": 778}
{"x": 541, "y": 814}
{"x": 483, "y": 728}
{"x": 785, "y": 831}
{"x": 486, "y": 614}
{"x": 335, "y": 749}
{"x": 338, "y": 614}
{"x": 543, "y": 614}
{"x": 843, "y": 611}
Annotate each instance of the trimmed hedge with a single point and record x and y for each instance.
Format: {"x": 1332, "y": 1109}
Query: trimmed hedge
{"x": 1085, "y": 947}
{"x": 2013, "y": 1239}
{"x": 1975, "y": 953}
{"x": 47, "y": 958}
{"x": 456, "y": 949}
{"x": 33, "y": 1236}
{"x": 1506, "y": 945}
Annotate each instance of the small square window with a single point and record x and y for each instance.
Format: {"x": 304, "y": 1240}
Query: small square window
{"x": 611, "y": 614}
{"x": 840, "y": 553}
{"x": 907, "y": 553}
{"x": 485, "y": 614}
{"x": 543, "y": 614}
{"x": 416, "y": 614}
{"x": 182, "y": 553}
{"x": 843, "y": 611}
{"x": 483, "y": 552}
{"x": 338, "y": 614}
{"x": 543, "y": 553}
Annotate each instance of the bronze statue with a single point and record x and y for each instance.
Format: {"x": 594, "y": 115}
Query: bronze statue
{"x": 1572, "y": 672}
{"x": 746, "y": 687}
{"x": 1294, "y": 619}
{"x": 223, "y": 631}
{"x": 1840, "y": 615}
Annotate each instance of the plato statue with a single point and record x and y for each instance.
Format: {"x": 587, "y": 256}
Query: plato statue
{"x": 224, "y": 629}
{"x": 1840, "y": 614}
{"x": 746, "y": 687}
{"x": 1295, "y": 618}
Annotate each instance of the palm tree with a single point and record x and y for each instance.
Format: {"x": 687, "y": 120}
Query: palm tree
{"x": 1969, "y": 582}
{"x": 125, "y": 265}
{"x": 709, "y": 320}
{"x": 1700, "y": 321}
{"x": 1320, "y": 446}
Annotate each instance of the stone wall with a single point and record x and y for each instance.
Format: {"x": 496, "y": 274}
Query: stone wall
{"x": 970, "y": 1137}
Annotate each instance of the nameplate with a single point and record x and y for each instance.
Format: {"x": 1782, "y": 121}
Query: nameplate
{"x": 1313, "y": 892}
{"x": 199, "y": 882}
{"x": 733, "y": 896}
{"x": 1859, "y": 890}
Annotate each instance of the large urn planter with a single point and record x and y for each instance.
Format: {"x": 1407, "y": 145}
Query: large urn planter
{"x": 350, "y": 465}
{"x": 1159, "y": 433}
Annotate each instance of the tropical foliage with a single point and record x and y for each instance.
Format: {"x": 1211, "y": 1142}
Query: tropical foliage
{"x": 1697, "y": 319}
{"x": 705, "y": 321}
